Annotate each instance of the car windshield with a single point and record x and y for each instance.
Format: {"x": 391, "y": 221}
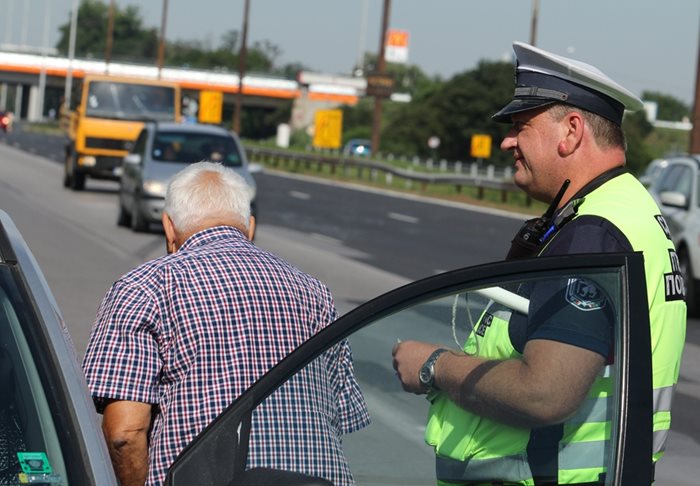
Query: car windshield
{"x": 130, "y": 101}
{"x": 189, "y": 147}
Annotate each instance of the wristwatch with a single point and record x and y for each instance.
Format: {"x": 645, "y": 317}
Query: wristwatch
{"x": 426, "y": 374}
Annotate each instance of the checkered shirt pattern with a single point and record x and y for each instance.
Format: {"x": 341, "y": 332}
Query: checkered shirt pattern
{"x": 192, "y": 330}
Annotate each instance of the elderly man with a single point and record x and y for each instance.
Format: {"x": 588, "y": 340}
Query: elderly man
{"x": 180, "y": 337}
{"x": 514, "y": 413}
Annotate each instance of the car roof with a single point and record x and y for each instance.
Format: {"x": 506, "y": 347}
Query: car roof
{"x": 192, "y": 128}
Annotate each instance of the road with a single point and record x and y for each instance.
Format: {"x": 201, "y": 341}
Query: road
{"x": 360, "y": 243}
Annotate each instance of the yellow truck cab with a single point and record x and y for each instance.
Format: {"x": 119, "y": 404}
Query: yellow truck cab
{"x": 105, "y": 117}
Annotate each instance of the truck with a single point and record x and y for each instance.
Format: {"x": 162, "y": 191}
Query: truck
{"x": 106, "y": 115}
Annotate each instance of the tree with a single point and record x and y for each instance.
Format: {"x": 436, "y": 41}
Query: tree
{"x": 669, "y": 108}
{"x": 131, "y": 40}
{"x": 453, "y": 111}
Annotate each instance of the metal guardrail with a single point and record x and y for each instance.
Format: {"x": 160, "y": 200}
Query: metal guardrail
{"x": 377, "y": 170}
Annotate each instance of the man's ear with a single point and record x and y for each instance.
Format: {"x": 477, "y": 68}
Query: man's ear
{"x": 251, "y": 228}
{"x": 170, "y": 234}
{"x": 573, "y": 126}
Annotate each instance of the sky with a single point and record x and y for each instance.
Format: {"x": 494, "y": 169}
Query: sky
{"x": 645, "y": 45}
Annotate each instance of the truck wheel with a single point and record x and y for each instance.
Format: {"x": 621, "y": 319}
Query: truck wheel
{"x": 77, "y": 181}
{"x": 66, "y": 170}
{"x": 72, "y": 177}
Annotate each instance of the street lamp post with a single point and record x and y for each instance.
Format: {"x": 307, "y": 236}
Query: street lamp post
{"x": 242, "y": 54}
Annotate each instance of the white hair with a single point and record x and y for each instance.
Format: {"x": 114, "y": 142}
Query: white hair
{"x": 206, "y": 190}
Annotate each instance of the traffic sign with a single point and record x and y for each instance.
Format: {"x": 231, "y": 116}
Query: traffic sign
{"x": 328, "y": 129}
{"x": 210, "y": 105}
{"x": 481, "y": 146}
{"x": 396, "y": 49}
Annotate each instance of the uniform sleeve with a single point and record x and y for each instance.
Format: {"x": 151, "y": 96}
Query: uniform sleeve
{"x": 577, "y": 311}
{"x": 122, "y": 360}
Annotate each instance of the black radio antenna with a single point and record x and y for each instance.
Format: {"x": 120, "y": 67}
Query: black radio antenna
{"x": 553, "y": 206}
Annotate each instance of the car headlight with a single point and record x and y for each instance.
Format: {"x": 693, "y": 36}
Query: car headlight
{"x": 154, "y": 188}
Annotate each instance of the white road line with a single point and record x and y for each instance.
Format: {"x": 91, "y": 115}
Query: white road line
{"x": 325, "y": 238}
{"x": 404, "y": 217}
{"x": 300, "y": 195}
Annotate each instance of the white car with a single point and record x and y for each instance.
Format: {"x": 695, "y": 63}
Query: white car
{"x": 675, "y": 189}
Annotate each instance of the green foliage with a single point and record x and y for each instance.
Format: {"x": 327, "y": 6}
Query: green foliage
{"x": 637, "y": 129}
{"x": 668, "y": 107}
{"x": 453, "y": 111}
{"x": 130, "y": 38}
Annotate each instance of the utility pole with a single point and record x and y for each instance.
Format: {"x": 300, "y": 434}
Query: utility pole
{"x": 110, "y": 36}
{"x": 71, "y": 55}
{"x": 533, "y": 22}
{"x": 381, "y": 64}
{"x": 161, "y": 42}
{"x": 242, "y": 54}
{"x": 695, "y": 132}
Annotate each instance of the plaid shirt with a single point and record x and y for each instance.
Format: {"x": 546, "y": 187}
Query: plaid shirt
{"x": 191, "y": 331}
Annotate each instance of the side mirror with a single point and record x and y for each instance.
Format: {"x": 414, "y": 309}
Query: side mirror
{"x": 134, "y": 159}
{"x": 674, "y": 199}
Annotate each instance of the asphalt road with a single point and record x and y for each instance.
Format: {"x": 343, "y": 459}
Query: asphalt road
{"x": 360, "y": 243}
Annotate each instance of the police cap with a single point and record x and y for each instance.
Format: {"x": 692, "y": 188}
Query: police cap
{"x": 543, "y": 78}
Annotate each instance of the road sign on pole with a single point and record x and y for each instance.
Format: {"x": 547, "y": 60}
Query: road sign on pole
{"x": 481, "y": 146}
{"x": 397, "y": 46}
{"x": 328, "y": 129}
{"x": 210, "y": 103}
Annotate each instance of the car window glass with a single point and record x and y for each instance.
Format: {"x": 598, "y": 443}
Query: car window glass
{"x": 189, "y": 147}
{"x": 392, "y": 449}
{"x": 29, "y": 443}
{"x": 672, "y": 178}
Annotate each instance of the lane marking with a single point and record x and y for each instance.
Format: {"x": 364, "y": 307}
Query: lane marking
{"x": 404, "y": 218}
{"x": 324, "y": 238}
{"x": 305, "y": 196}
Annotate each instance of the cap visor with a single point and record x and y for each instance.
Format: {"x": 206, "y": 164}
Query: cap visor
{"x": 518, "y": 105}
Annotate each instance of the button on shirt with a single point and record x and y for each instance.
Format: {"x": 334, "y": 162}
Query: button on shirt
{"x": 190, "y": 331}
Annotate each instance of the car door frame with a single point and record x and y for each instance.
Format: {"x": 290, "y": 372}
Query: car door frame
{"x": 208, "y": 459}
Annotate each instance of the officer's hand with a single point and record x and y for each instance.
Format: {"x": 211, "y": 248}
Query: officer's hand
{"x": 409, "y": 356}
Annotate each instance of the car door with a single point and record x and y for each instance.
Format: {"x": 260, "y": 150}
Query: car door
{"x": 444, "y": 309}
{"x": 132, "y": 169}
{"x": 679, "y": 181}
{"x": 49, "y": 430}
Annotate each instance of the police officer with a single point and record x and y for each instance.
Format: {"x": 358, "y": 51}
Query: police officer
{"x": 512, "y": 412}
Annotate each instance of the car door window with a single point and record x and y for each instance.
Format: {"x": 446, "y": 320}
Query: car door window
{"x": 29, "y": 442}
{"x": 678, "y": 179}
{"x": 455, "y": 310}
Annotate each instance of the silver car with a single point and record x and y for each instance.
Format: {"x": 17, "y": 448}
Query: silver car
{"x": 675, "y": 189}
{"x": 160, "y": 151}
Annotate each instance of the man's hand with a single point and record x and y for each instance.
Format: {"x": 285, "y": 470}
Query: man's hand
{"x": 125, "y": 426}
{"x": 409, "y": 356}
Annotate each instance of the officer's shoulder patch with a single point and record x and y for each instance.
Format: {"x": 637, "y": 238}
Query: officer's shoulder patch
{"x": 584, "y": 294}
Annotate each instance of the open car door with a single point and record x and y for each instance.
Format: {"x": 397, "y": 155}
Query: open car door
{"x": 443, "y": 309}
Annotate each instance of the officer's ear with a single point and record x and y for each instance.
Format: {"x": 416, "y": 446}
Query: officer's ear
{"x": 572, "y": 127}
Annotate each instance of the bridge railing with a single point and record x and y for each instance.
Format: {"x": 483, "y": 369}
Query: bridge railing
{"x": 385, "y": 173}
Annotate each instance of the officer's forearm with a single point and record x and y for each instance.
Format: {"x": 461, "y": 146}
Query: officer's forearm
{"x": 520, "y": 392}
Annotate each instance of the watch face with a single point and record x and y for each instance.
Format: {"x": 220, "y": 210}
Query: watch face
{"x": 425, "y": 375}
